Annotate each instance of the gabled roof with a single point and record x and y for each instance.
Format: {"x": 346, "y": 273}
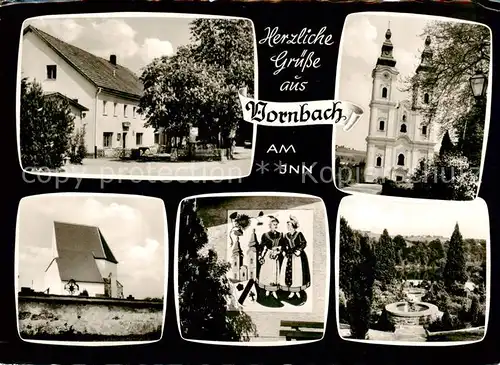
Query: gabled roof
{"x": 100, "y": 72}
{"x": 79, "y": 266}
{"x": 76, "y": 238}
{"x": 73, "y": 102}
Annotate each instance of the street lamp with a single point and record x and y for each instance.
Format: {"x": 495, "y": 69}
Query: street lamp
{"x": 478, "y": 84}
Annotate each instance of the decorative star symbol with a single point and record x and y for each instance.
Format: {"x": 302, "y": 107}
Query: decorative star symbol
{"x": 279, "y": 166}
{"x": 262, "y": 167}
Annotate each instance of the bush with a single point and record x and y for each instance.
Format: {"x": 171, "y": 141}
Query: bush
{"x": 77, "y": 150}
{"x": 391, "y": 188}
{"x": 385, "y": 323}
{"x": 84, "y": 293}
{"x": 448, "y": 322}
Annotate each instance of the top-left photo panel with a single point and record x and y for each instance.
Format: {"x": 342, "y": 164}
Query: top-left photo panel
{"x": 140, "y": 96}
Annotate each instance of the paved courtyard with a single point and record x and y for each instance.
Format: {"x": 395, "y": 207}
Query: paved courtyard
{"x": 107, "y": 167}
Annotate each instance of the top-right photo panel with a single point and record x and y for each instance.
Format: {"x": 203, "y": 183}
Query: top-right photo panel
{"x": 424, "y": 84}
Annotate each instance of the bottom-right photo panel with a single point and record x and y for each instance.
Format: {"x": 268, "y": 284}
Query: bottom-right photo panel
{"x": 411, "y": 271}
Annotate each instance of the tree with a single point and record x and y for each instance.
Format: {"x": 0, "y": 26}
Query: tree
{"x": 46, "y": 127}
{"x": 446, "y": 145}
{"x": 385, "y": 259}
{"x": 204, "y": 289}
{"x": 399, "y": 246}
{"x": 455, "y": 269}
{"x": 359, "y": 301}
{"x": 198, "y": 86}
{"x": 348, "y": 255}
{"x": 459, "y": 49}
{"x": 470, "y": 129}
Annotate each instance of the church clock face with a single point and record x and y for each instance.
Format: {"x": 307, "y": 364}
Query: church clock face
{"x": 386, "y": 75}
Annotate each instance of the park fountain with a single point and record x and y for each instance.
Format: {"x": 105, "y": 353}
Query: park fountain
{"x": 411, "y": 312}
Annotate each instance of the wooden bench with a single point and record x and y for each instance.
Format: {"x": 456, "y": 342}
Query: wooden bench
{"x": 301, "y": 331}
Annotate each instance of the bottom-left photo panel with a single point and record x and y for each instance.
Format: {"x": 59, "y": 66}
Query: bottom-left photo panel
{"x": 91, "y": 268}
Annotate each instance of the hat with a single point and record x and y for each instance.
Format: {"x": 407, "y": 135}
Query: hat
{"x": 273, "y": 219}
{"x": 293, "y": 220}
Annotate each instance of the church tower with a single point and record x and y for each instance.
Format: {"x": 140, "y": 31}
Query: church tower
{"x": 421, "y": 95}
{"x": 252, "y": 256}
{"x": 236, "y": 259}
{"x": 382, "y": 113}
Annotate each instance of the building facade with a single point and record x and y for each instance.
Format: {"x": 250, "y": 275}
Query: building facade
{"x": 399, "y": 134}
{"x": 109, "y": 92}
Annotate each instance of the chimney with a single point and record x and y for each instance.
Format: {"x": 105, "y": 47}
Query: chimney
{"x": 112, "y": 59}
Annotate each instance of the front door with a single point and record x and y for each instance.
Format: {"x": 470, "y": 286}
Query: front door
{"x": 124, "y": 137}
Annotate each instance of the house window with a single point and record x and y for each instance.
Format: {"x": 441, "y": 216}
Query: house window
{"x": 401, "y": 160}
{"x": 378, "y": 162}
{"x": 138, "y": 139}
{"x": 107, "y": 138}
{"x": 157, "y": 138}
{"x": 114, "y": 109}
{"x": 125, "y": 111}
{"x": 104, "y": 107}
{"x": 381, "y": 125}
{"x": 133, "y": 112}
{"x": 426, "y": 98}
{"x": 51, "y": 72}
{"x": 424, "y": 130}
{"x": 403, "y": 128}
{"x": 384, "y": 92}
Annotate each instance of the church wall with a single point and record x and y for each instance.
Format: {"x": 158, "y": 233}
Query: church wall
{"x": 105, "y": 268}
{"x": 60, "y": 318}
{"x": 52, "y": 280}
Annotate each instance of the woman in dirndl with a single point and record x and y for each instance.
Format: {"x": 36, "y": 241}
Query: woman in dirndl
{"x": 295, "y": 275}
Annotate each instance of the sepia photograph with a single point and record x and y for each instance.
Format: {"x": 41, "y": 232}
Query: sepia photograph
{"x": 252, "y": 268}
{"x": 90, "y": 268}
{"x": 425, "y": 84}
{"x": 412, "y": 272}
{"x": 136, "y": 96}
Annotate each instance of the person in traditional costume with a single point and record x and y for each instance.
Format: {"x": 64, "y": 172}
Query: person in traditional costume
{"x": 295, "y": 275}
{"x": 270, "y": 256}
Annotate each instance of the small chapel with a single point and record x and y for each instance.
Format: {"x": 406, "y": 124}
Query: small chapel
{"x": 399, "y": 135}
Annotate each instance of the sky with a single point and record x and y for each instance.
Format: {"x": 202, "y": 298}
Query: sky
{"x": 133, "y": 226}
{"x": 416, "y": 217}
{"x": 135, "y": 41}
{"x": 363, "y": 36}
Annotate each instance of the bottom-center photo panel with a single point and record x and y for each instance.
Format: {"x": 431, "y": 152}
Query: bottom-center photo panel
{"x": 252, "y": 268}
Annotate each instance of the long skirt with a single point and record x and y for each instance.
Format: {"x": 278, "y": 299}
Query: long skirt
{"x": 298, "y": 272}
{"x": 269, "y": 274}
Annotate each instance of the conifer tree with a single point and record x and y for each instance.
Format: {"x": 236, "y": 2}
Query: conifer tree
{"x": 455, "y": 268}
{"x": 347, "y": 255}
{"x": 385, "y": 259}
{"x": 446, "y": 145}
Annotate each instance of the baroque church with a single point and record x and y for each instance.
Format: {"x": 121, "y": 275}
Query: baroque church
{"x": 399, "y": 135}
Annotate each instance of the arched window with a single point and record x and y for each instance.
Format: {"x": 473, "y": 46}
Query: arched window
{"x": 424, "y": 130}
{"x": 381, "y": 125}
{"x": 378, "y": 163}
{"x": 404, "y": 117}
{"x": 401, "y": 160}
{"x": 426, "y": 98}
{"x": 384, "y": 92}
{"x": 403, "y": 128}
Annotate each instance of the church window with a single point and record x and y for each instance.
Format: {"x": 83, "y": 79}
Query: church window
{"x": 384, "y": 92}
{"x": 381, "y": 125}
{"x": 399, "y": 178}
{"x": 235, "y": 263}
{"x": 251, "y": 260}
{"x": 424, "y": 130}
{"x": 404, "y": 117}
{"x": 236, "y": 276}
{"x": 426, "y": 98}
{"x": 378, "y": 163}
{"x": 401, "y": 159}
{"x": 403, "y": 128}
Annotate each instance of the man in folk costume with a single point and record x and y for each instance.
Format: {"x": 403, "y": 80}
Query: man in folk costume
{"x": 295, "y": 275}
{"x": 270, "y": 256}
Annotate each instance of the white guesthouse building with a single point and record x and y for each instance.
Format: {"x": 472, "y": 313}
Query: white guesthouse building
{"x": 81, "y": 254}
{"x": 399, "y": 135}
{"x": 104, "y": 94}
